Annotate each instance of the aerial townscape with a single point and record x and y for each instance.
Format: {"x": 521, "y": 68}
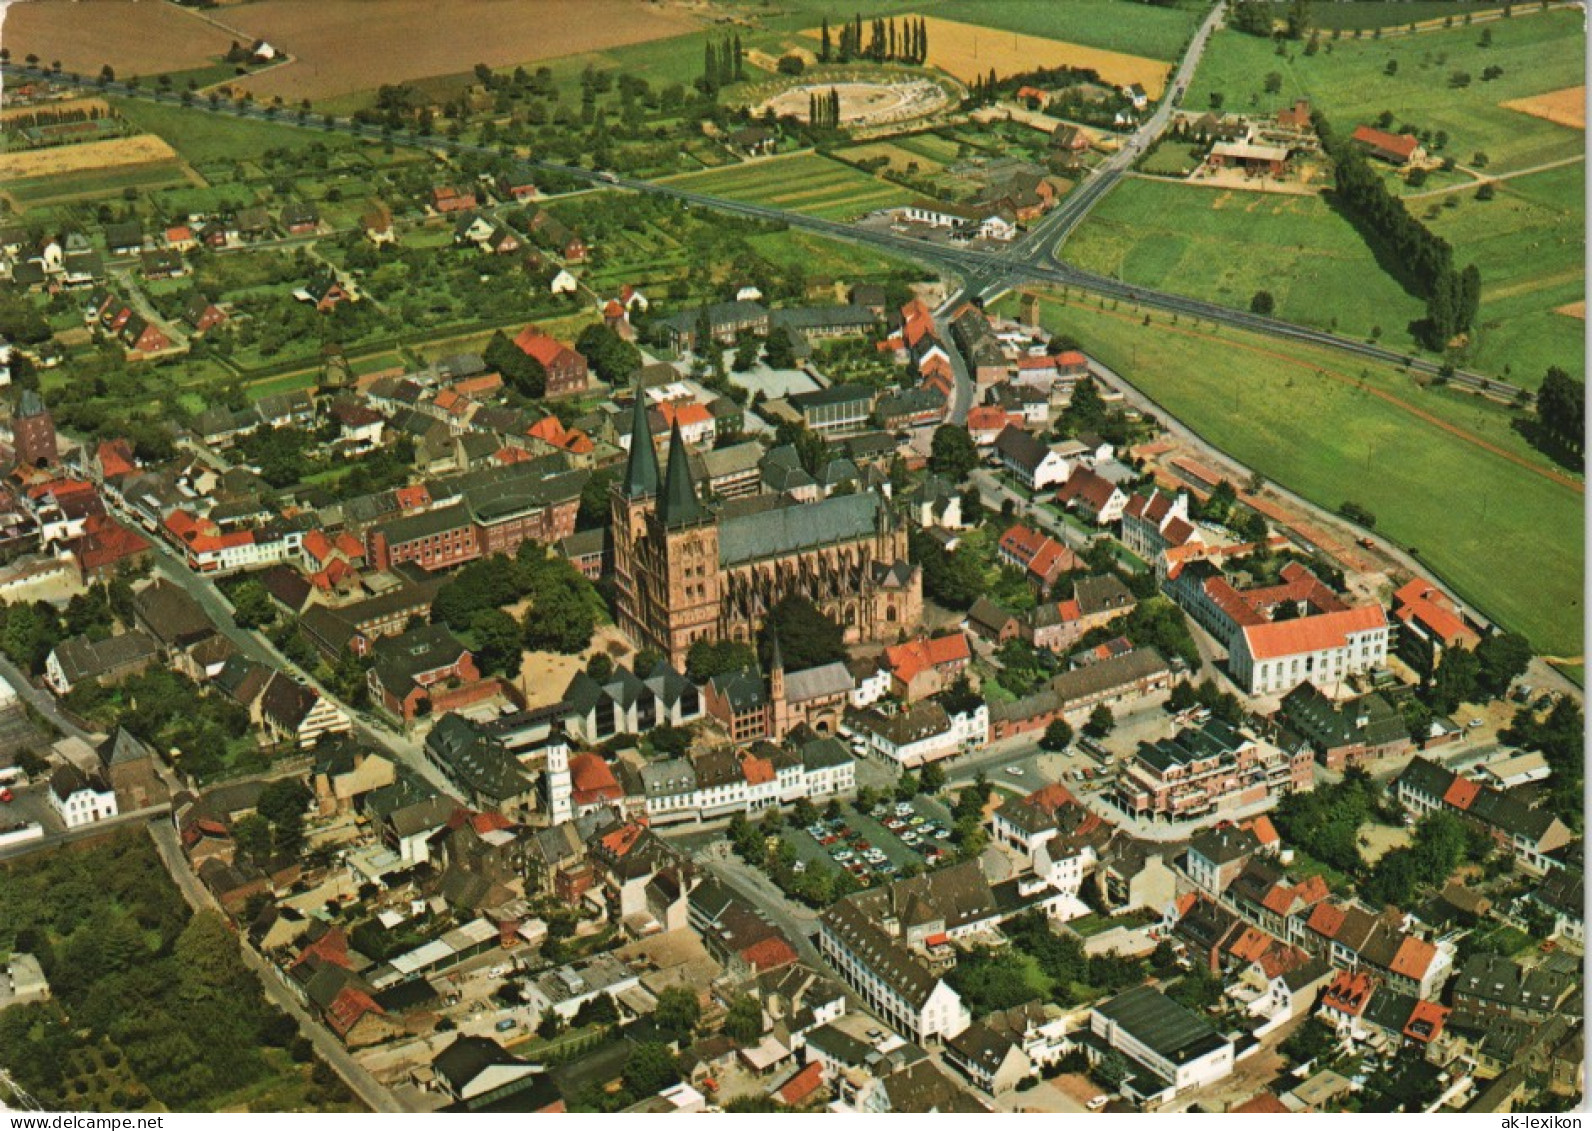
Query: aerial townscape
{"x": 673, "y": 556}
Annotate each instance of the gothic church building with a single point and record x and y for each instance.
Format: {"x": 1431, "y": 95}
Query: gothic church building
{"x": 685, "y": 572}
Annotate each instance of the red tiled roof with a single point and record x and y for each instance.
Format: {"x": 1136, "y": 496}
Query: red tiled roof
{"x": 412, "y": 498}
{"x": 1421, "y": 601}
{"x": 758, "y": 771}
{"x": 1263, "y": 1104}
{"x": 115, "y": 458}
{"x": 1311, "y": 634}
{"x": 803, "y": 1084}
{"x": 1326, "y": 920}
{"x": 1461, "y": 792}
{"x": 1426, "y": 1021}
{"x": 908, "y": 661}
{"x": 1349, "y": 992}
{"x": 769, "y": 954}
{"x": 1413, "y": 958}
{"x": 986, "y": 417}
{"x": 545, "y": 349}
{"x": 684, "y": 413}
{"x": 1401, "y": 145}
{"x": 1088, "y": 487}
{"x": 1250, "y": 945}
{"x": 1312, "y": 890}
{"x": 623, "y": 839}
{"x": 348, "y": 1007}
{"x": 331, "y": 947}
{"x": 1264, "y": 831}
{"x": 1279, "y": 899}
{"x": 482, "y": 384}
{"x": 592, "y": 779}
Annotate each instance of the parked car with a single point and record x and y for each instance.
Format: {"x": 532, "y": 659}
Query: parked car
{"x": 1015, "y": 771}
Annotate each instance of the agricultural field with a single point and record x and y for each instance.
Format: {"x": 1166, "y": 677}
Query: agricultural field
{"x": 88, "y": 156}
{"x": 1440, "y": 471}
{"x": 1138, "y": 29}
{"x": 1565, "y": 107}
{"x": 134, "y": 38}
{"x": 1540, "y": 53}
{"x": 408, "y": 41}
{"x": 1225, "y": 245}
{"x": 205, "y": 138}
{"x": 1369, "y": 14}
{"x": 804, "y": 183}
{"x": 1529, "y": 242}
{"x": 969, "y": 51}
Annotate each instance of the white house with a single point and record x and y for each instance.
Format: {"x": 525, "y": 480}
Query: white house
{"x": 1277, "y": 656}
{"x": 564, "y": 283}
{"x": 81, "y": 799}
{"x": 912, "y": 736}
{"x": 895, "y": 983}
{"x": 873, "y": 682}
{"x": 1176, "y": 1046}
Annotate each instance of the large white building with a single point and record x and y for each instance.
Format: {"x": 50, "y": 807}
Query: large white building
{"x": 918, "y": 734}
{"x": 1171, "y": 1048}
{"x": 723, "y": 781}
{"x": 1325, "y": 649}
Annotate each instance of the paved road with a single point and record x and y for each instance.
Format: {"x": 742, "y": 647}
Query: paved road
{"x": 361, "y": 1082}
{"x": 42, "y": 701}
{"x": 86, "y": 832}
{"x": 255, "y": 647}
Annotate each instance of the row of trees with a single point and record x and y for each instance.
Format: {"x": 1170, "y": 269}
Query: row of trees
{"x": 722, "y": 64}
{"x": 1421, "y": 256}
{"x": 1561, "y": 417}
{"x": 823, "y": 109}
{"x": 886, "y": 44}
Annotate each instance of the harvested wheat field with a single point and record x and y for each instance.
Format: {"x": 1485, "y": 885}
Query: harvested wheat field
{"x": 343, "y": 46}
{"x": 134, "y": 38}
{"x": 968, "y": 51}
{"x": 1565, "y": 107}
{"x": 100, "y": 156}
{"x": 1572, "y": 310}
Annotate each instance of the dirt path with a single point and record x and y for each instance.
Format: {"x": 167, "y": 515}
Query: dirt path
{"x": 1344, "y": 379}
{"x": 1485, "y": 179}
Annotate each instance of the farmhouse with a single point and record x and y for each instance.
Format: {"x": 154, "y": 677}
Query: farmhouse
{"x": 1252, "y": 158}
{"x": 1395, "y": 149}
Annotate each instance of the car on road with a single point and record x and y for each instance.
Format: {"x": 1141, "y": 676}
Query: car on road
{"x": 1015, "y": 771}
{"x": 1098, "y": 1102}
{"x": 7, "y": 796}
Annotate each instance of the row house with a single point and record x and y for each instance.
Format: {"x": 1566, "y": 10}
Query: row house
{"x": 1349, "y": 733}
{"x": 918, "y": 734}
{"x": 208, "y": 548}
{"x": 1429, "y": 624}
{"x": 926, "y": 666}
{"x": 1532, "y": 834}
{"x": 725, "y": 780}
{"x": 1096, "y": 601}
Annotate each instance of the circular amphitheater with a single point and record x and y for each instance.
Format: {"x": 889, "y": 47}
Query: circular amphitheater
{"x": 863, "y": 103}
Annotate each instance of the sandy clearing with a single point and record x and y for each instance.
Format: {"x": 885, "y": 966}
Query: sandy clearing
{"x": 140, "y": 149}
{"x": 1565, "y": 107}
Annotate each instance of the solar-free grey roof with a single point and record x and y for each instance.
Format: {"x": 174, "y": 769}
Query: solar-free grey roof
{"x": 789, "y": 530}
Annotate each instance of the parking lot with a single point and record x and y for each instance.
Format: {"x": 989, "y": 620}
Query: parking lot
{"x": 877, "y": 845}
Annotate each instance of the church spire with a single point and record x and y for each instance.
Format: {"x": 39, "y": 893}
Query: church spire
{"x": 641, "y": 470}
{"x": 679, "y": 505}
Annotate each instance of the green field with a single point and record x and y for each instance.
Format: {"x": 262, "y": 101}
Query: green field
{"x": 40, "y": 192}
{"x": 1112, "y": 25}
{"x": 1505, "y": 536}
{"x": 804, "y": 183}
{"x": 1224, "y": 246}
{"x": 203, "y": 137}
{"x": 1539, "y": 52}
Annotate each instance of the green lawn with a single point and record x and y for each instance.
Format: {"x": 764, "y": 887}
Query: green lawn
{"x": 1539, "y": 52}
{"x": 1506, "y": 537}
{"x": 804, "y": 182}
{"x": 1394, "y": 13}
{"x": 202, "y": 136}
{"x": 1112, "y": 25}
{"x": 1225, "y": 246}
{"x": 39, "y": 192}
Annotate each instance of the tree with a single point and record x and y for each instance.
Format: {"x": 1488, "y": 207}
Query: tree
{"x": 743, "y": 1023}
{"x": 650, "y": 1069}
{"x": 708, "y": 658}
{"x": 1501, "y": 658}
{"x": 952, "y": 452}
{"x": 1263, "y": 303}
{"x": 678, "y": 1012}
{"x": 1561, "y": 411}
{"x": 780, "y": 350}
{"x": 611, "y": 357}
{"x": 1454, "y": 682}
{"x": 1057, "y": 736}
{"x": 807, "y": 638}
{"x": 522, "y": 372}
{"x": 563, "y": 605}
{"x": 1100, "y": 722}
{"x": 931, "y": 779}
{"x": 498, "y": 642}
